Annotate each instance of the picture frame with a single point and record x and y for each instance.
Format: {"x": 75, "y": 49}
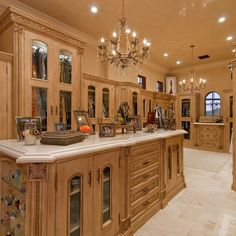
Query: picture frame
{"x": 106, "y": 130}
{"x": 171, "y": 85}
{"x": 82, "y": 118}
{"x": 23, "y": 123}
{"x": 60, "y": 127}
{"x": 135, "y": 120}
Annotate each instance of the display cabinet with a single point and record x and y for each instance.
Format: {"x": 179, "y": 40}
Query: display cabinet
{"x": 82, "y": 178}
{"x": 46, "y": 68}
{"x": 52, "y": 84}
{"x": 173, "y": 179}
{"x": 13, "y": 198}
{"x": 98, "y": 99}
{"x": 5, "y": 95}
{"x": 187, "y": 112}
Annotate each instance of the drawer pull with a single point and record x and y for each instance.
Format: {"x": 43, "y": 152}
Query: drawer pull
{"x": 145, "y": 177}
{"x": 145, "y": 163}
{"x": 145, "y": 203}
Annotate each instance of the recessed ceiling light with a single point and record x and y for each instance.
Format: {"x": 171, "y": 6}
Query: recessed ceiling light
{"x": 178, "y": 62}
{"x": 166, "y": 54}
{"x": 94, "y": 9}
{"x": 229, "y": 38}
{"x": 221, "y": 19}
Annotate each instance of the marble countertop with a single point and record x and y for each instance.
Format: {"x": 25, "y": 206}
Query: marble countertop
{"x": 50, "y": 153}
{"x": 205, "y": 123}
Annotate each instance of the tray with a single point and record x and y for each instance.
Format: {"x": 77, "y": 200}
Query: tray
{"x": 62, "y": 138}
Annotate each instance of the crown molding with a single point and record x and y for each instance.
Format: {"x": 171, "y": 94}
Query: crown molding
{"x": 6, "y": 56}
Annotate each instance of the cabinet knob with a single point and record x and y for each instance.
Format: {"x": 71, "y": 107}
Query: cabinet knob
{"x": 51, "y": 110}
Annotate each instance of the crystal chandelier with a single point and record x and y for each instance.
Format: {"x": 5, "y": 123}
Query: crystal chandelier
{"x": 124, "y": 49}
{"x": 192, "y": 84}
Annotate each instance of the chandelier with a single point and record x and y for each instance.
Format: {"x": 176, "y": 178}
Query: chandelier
{"x": 124, "y": 49}
{"x": 192, "y": 84}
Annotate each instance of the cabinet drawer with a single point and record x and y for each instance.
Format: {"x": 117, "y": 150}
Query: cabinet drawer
{"x": 144, "y": 162}
{"x": 145, "y": 176}
{"x": 145, "y": 148}
{"x": 142, "y": 206}
{"x": 144, "y": 189}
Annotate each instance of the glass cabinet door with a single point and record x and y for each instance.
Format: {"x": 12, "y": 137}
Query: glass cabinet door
{"x": 39, "y": 105}
{"x": 91, "y": 101}
{"x": 39, "y": 60}
{"x": 105, "y": 103}
{"x": 150, "y": 106}
{"x": 74, "y": 207}
{"x": 231, "y": 106}
{"x": 135, "y": 103}
{"x": 65, "y": 108}
{"x": 186, "y": 127}
{"x": 65, "y": 67}
{"x": 106, "y": 195}
{"x": 144, "y": 108}
{"x": 186, "y": 108}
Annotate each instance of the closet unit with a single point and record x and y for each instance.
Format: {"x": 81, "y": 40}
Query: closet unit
{"x": 6, "y": 95}
{"x": 46, "y": 67}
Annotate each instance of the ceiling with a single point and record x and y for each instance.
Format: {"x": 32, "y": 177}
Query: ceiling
{"x": 171, "y": 26}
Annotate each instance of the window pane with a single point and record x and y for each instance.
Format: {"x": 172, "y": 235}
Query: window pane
{"x": 216, "y": 96}
{"x": 209, "y": 96}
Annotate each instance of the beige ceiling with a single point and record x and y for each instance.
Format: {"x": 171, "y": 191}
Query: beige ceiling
{"x": 171, "y": 25}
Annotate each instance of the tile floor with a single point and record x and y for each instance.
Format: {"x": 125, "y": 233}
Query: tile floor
{"x": 207, "y": 207}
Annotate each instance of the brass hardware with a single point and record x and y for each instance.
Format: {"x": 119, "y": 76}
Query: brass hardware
{"x": 90, "y": 178}
{"x": 51, "y": 110}
{"x": 145, "y": 163}
{"x": 56, "y": 110}
{"x": 98, "y": 175}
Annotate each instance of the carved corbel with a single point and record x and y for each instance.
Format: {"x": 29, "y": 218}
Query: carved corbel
{"x": 19, "y": 28}
{"x": 125, "y": 224}
{"x": 37, "y": 171}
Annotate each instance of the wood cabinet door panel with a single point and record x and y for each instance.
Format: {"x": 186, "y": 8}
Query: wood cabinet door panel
{"x": 65, "y": 172}
{"x": 104, "y": 225}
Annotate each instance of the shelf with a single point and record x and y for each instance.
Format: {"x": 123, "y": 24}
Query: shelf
{"x": 106, "y": 179}
{"x": 75, "y": 191}
{"x": 106, "y": 210}
{"x": 74, "y": 228}
{"x": 14, "y": 210}
{"x": 21, "y": 190}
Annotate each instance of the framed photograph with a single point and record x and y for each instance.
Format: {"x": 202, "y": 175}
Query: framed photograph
{"x": 60, "y": 127}
{"x": 23, "y": 123}
{"x": 171, "y": 85}
{"x": 83, "y": 119}
{"x": 106, "y": 130}
{"x": 135, "y": 120}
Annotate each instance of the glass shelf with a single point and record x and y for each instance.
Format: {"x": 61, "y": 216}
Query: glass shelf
{"x": 75, "y": 191}
{"x": 14, "y": 210}
{"x": 20, "y": 188}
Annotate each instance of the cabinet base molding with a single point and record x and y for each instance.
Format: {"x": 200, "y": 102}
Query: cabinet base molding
{"x": 233, "y": 187}
{"x": 173, "y": 193}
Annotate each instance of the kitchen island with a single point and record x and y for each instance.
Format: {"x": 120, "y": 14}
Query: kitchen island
{"x": 101, "y": 186}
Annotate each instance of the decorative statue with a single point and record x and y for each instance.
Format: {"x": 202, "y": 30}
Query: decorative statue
{"x": 159, "y": 116}
{"x": 124, "y": 111}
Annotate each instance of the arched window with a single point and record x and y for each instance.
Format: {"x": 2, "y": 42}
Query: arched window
{"x": 212, "y": 104}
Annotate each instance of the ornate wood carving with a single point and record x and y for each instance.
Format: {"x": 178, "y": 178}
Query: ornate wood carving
{"x": 37, "y": 171}
{"x": 13, "y": 15}
{"x": 19, "y": 28}
{"x": 125, "y": 152}
{"x": 37, "y": 211}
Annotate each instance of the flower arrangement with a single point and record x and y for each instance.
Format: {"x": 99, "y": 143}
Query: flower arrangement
{"x": 85, "y": 129}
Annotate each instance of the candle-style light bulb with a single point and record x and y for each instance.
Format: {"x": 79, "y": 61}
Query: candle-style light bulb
{"x": 114, "y": 34}
{"x": 134, "y": 34}
{"x": 102, "y": 40}
{"x": 128, "y": 31}
{"x": 145, "y": 42}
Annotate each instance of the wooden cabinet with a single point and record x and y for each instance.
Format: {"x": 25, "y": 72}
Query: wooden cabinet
{"x": 144, "y": 181}
{"x": 173, "y": 178}
{"x": 50, "y": 81}
{"x": 6, "y": 120}
{"x": 187, "y": 112}
{"x": 46, "y": 67}
{"x": 210, "y": 136}
{"x": 87, "y": 196}
{"x": 98, "y": 99}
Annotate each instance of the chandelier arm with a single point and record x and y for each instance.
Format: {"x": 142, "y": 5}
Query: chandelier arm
{"x": 123, "y": 9}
